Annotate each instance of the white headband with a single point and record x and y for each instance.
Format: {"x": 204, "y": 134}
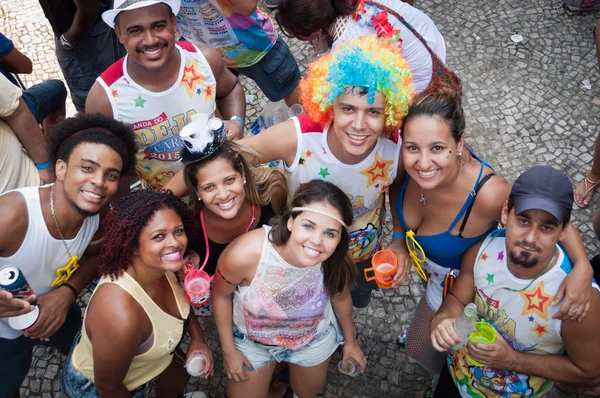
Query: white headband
{"x": 322, "y": 213}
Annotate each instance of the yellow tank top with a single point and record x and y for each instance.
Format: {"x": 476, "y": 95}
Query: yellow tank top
{"x": 167, "y": 332}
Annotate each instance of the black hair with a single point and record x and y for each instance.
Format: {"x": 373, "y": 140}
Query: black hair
{"x": 64, "y": 138}
{"x": 125, "y": 221}
{"x": 339, "y": 270}
{"x": 443, "y": 103}
{"x": 564, "y": 221}
{"x": 304, "y": 17}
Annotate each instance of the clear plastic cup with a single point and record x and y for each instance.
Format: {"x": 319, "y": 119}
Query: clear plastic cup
{"x": 196, "y": 366}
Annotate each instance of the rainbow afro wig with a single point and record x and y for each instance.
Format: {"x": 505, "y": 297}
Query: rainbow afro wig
{"x": 370, "y": 63}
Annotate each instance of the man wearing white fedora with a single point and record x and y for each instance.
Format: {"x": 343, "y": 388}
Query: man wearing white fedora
{"x": 160, "y": 84}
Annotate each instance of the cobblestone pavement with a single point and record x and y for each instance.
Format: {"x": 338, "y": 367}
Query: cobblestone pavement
{"x": 527, "y": 104}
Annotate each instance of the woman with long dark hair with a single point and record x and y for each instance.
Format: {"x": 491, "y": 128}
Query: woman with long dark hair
{"x": 282, "y": 294}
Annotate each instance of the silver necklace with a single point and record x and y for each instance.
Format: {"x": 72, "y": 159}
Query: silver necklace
{"x": 56, "y": 223}
{"x": 424, "y": 201}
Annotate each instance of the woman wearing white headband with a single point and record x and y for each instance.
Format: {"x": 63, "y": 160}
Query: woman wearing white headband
{"x": 290, "y": 288}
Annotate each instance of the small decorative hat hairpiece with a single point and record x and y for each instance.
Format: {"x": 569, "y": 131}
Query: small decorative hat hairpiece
{"x": 202, "y": 137}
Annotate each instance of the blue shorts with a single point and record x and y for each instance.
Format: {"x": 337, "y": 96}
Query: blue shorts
{"x": 44, "y": 98}
{"x": 76, "y": 385}
{"x": 16, "y": 353}
{"x": 276, "y": 74}
{"x": 314, "y": 353}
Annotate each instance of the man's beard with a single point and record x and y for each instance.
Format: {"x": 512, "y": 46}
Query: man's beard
{"x": 525, "y": 259}
{"x": 81, "y": 211}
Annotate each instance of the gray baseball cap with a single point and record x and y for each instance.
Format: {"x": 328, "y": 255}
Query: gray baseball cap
{"x": 543, "y": 188}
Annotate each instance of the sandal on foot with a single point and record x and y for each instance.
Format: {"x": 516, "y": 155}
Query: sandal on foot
{"x": 589, "y": 185}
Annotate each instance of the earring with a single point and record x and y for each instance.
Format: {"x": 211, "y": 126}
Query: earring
{"x": 460, "y": 154}
{"x": 244, "y": 181}
{"x": 199, "y": 199}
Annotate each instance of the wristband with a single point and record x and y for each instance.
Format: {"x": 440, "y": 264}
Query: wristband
{"x": 43, "y": 166}
{"x": 71, "y": 288}
{"x": 239, "y": 119}
{"x": 66, "y": 43}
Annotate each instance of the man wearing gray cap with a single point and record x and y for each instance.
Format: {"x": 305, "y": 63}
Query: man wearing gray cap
{"x": 513, "y": 277}
{"x": 160, "y": 84}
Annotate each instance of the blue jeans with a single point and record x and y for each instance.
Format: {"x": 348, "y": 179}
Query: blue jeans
{"x": 16, "y": 353}
{"x": 44, "y": 98}
{"x": 276, "y": 74}
{"x": 76, "y": 385}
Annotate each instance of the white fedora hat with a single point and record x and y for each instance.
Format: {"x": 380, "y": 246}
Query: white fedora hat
{"x": 126, "y": 5}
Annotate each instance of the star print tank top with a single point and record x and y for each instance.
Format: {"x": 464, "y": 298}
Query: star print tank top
{"x": 157, "y": 117}
{"x": 524, "y": 318}
{"x": 364, "y": 183}
{"x": 285, "y": 305}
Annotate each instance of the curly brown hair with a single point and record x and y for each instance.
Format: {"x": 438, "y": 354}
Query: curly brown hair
{"x": 125, "y": 221}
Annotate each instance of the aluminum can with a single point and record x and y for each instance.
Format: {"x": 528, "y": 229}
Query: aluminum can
{"x": 13, "y": 280}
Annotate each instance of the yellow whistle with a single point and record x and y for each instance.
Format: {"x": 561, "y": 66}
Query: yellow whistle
{"x": 63, "y": 274}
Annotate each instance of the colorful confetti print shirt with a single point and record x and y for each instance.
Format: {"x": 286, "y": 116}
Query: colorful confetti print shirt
{"x": 364, "y": 183}
{"x": 523, "y": 317}
{"x": 157, "y": 117}
{"x": 284, "y": 306}
{"x": 242, "y": 40}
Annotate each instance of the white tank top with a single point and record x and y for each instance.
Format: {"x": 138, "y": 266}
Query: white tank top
{"x": 284, "y": 305}
{"x": 157, "y": 117}
{"x": 40, "y": 255}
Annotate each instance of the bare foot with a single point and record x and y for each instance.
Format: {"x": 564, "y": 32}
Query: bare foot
{"x": 584, "y": 192}
{"x": 277, "y": 390}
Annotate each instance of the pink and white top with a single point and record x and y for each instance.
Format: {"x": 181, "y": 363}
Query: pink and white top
{"x": 284, "y": 305}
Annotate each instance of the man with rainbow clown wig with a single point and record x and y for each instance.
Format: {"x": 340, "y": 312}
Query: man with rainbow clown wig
{"x": 355, "y": 99}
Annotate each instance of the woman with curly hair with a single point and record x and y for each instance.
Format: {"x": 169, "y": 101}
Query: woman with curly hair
{"x": 282, "y": 294}
{"x": 231, "y": 196}
{"x": 138, "y": 314}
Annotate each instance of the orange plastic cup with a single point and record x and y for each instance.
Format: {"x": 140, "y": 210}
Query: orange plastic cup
{"x": 197, "y": 287}
{"x": 384, "y": 266}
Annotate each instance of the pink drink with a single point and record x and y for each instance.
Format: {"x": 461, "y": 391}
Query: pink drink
{"x": 197, "y": 285}
{"x": 385, "y": 267}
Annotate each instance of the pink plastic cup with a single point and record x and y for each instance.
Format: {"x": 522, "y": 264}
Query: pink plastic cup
{"x": 197, "y": 287}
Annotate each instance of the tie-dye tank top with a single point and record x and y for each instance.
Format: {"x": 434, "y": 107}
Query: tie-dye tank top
{"x": 284, "y": 305}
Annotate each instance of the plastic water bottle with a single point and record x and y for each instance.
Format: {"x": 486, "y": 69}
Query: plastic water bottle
{"x": 351, "y": 369}
{"x": 464, "y": 324}
{"x": 196, "y": 366}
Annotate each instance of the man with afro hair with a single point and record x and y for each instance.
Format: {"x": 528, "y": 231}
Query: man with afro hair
{"x": 51, "y": 234}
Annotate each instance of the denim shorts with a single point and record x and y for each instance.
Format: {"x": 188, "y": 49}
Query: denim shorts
{"x": 16, "y": 353}
{"x": 44, "y": 98}
{"x": 276, "y": 74}
{"x": 76, "y": 385}
{"x": 312, "y": 354}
